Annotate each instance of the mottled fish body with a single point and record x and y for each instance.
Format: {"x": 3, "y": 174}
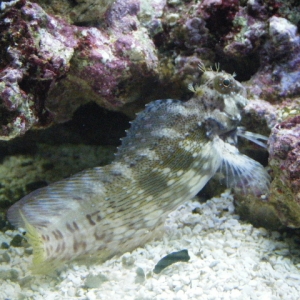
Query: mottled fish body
{"x": 170, "y": 152}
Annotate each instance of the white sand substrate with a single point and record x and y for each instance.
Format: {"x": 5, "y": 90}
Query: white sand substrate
{"x": 230, "y": 259}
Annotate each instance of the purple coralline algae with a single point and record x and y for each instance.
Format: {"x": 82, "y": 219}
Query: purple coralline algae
{"x": 279, "y": 74}
{"x": 34, "y": 55}
{"x": 50, "y": 68}
{"x": 77, "y": 12}
{"x": 111, "y": 67}
{"x": 16, "y": 114}
{"x": 284, "y": 152}
{"x": 246, "y": 35}
{"x": 260, "y": 112}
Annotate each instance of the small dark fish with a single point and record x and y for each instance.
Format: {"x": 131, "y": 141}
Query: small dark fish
{"x": 170, "y": 259}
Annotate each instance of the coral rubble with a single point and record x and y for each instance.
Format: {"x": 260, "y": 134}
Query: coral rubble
{"x": 50, "y": 68}
{"x": 278, "y": 76}
{"x": 77, "y": 12}
{"x": 285, "y": 163}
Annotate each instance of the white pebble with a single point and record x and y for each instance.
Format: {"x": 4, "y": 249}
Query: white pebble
{"x": 71, "y": 292}
{"x": 75, "y": 279}
{"x": 90, "y": 295}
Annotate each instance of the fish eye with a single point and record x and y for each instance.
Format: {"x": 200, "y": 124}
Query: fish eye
{"x": 226, "y": 82}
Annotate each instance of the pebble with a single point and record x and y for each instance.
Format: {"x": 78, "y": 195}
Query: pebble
{"x": 17, "y": 241}
{"x": 127, "y": 260}
{"x": 4, "y": 245}
{"x": 6, "y": 257}
{"x": 294, "y": 276}
{"x": 185, "y": 279}
{"x": 75, "y": 279}
{"x": 94, "y": 281}
{"x": 263, "y": 231}
{"x": 229, "y": 250}
{"x": 25, "y": 281}
{"x": 172, "y": 18}
{"x": 19, "y": 251}
{"x": 140, "y": 275}
{"x": 90, "y": 295}
{"x": 213, "y": 264}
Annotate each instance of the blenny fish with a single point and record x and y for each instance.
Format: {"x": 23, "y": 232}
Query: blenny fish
{"x": 171, "y": 151}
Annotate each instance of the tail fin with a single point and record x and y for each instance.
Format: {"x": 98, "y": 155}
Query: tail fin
{"x": 45, "y": 212}
{"x": 39, "y": 264}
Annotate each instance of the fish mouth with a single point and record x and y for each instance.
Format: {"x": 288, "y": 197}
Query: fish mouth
{"x": 227, "y": 131}
{"x": 230, "y": 137}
